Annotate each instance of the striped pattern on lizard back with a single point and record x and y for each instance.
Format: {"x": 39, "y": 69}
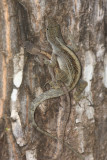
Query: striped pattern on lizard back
{"x": 67, "y": 61}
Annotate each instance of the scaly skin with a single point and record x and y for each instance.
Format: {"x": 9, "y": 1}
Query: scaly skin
{"x": 64, "y": 59}
{"x": 52, "y": 93}
{"x": 68, "y": 62}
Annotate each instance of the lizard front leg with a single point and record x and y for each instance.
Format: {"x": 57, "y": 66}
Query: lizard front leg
{"x": 51, "y": 64}
{"x": 57, "y": 74}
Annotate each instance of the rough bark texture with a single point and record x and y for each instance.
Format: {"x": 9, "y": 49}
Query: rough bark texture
{"x": 24, "y": 76}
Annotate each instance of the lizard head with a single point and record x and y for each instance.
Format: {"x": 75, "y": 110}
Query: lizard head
{"x": 52, "y": 30}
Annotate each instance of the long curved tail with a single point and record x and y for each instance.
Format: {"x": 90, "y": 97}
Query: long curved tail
{"x": 52, "y": 93}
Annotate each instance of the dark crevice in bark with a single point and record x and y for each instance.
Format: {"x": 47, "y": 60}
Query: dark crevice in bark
{"x": 23, "y": 24}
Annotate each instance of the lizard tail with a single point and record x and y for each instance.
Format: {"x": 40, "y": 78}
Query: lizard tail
{"x": 53, "y": 93}
{"x": 35, "y": 104}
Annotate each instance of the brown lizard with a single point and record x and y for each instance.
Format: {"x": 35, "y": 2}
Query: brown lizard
{"x": 65, "y": 60}
{"x": 68, "y": 63}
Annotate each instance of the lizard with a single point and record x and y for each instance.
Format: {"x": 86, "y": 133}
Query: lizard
{"x": 67, "y": 60}
{"x": 66, "y": 73}
{"x": 68, "y": 63}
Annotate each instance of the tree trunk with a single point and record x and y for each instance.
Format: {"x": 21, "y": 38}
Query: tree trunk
{"x": 80, "y": 131}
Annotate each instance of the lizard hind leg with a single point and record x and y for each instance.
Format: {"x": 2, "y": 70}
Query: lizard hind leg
{"x": 61, "y": 76}
{"x": 79, "y": 90}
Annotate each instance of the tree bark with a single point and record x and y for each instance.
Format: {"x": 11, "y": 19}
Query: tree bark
{"x": 24, "y": 76}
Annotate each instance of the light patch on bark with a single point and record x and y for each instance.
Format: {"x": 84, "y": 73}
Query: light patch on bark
{"x": 78, "y": 6}
{"x": 31, "y": 155}
{"x": 84, "y": 110}
{"x": 18, "y": 61}
{"x": 81, "y": 139}
{"x": 88, "y": 75}
{"x": 17, "y": 80}
{"x": 100, "y": 52}
{"x": 90, "y": 113}
{"x": 89, "y": 157}
{"x": 99, "y": 13}
{"x": 79, "y": 111}
{"x": 14, "y": 95}
{"x": 89, "y": 69}
{"x": 16, "y": 124}
{"x": 84, "y": 113}
{"x": 105, "y": 71}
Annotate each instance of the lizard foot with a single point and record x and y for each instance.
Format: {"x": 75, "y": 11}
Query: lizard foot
{"x": 78, "y": 98}
{"x": 79, "y": 90}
